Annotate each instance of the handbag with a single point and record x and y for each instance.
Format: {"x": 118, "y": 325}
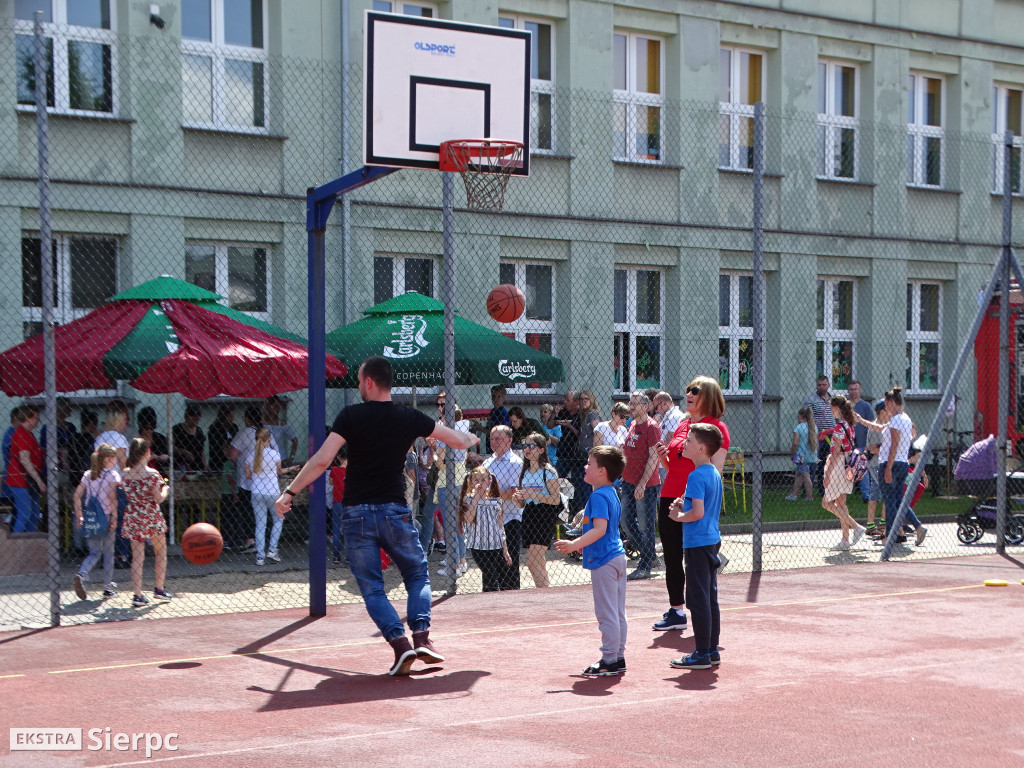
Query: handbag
{"x": 95, "y": 524}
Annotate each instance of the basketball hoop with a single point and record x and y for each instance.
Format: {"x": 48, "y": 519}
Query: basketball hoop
{"x": 485, "y": 165}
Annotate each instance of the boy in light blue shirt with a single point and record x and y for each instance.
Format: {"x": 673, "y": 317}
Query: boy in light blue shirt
{"x": 699, "y": 511}
{"x": 605, "y": 557}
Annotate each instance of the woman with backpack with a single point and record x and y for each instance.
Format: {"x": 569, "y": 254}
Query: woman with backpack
{"x": 837, "y": 484}
{"x": 538, "y": 493}
{"x": 98, "y": 486}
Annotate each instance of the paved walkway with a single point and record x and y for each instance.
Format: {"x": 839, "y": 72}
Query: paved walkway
{"x": 234, "y": 584}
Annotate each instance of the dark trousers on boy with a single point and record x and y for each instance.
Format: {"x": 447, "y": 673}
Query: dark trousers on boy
{"x": 514, "y": 542}
{"x": 702, "y": 595}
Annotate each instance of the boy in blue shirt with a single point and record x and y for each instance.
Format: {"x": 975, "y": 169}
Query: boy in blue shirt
{"x": 604, "y": 557}
{"x": 698, "y": 511}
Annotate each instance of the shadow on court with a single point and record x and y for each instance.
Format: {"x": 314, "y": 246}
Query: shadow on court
{"x": 914, "y": 643}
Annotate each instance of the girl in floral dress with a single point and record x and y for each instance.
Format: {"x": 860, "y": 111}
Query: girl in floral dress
{"x": 143, "y": 520}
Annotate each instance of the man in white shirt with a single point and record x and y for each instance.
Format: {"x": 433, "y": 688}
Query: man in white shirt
{"x": 671, "y": 416}
{"x": 507, "y": 469}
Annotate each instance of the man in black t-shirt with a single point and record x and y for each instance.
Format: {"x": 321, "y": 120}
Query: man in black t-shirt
{"x": 374, "y": 513}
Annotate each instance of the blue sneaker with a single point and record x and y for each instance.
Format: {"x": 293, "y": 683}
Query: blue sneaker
{"x": 716, "y": 657}
{"x": 162, "y": 594}
{"x": 140, "y": 600}
{"x": 694, "y": 661}
{"x": 672, "y": 619}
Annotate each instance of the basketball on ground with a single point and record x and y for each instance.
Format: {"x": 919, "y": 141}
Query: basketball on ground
{"x": 506, "y": 303}
{"x": 201, "y": 543}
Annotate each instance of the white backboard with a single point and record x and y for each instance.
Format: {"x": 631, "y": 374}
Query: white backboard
{"x": 430, "y": 80}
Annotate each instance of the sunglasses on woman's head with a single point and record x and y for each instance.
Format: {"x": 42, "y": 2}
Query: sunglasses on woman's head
{"x": 694, "y": 390}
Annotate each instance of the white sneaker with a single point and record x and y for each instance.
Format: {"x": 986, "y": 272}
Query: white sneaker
{"x": 858, "y": 534}
{"x": 792, "y": 497}
{"x": 724, "y": 561}
{"x": 461, "y": 570}
{"x": 259, "y": 561}
{"x": 273, "y": 556}
{"x": 442, "y": 571}
{"x": 842, "y": 546}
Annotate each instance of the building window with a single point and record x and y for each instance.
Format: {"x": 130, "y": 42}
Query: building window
{"x": 224, "y": 64}
{"x": 740, "y": 87}
{"x": 536, "y": 327}
{"x": 426, "y": 10}
{"x": 837, "y": 316}
{"x": 240, "y": 273}
{"x": 639, "y": 328}
{"x": 639, "y": 97}
{"x": 735, "y": 332}
{"x": 1009, "y": 103}
{"x": 542, "y": 80}
{"x": 81, "y": 43}
{"x": 395, "y": 275}
{"x": 838, "y": 95}
{"x": 925, "y": 130}
{"x": 924, "y": 336}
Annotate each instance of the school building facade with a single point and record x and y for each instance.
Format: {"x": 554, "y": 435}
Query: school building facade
{"x": 185, "y": 147}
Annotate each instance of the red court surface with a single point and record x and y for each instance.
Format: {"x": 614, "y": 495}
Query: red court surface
{"x": 892, "y": 664}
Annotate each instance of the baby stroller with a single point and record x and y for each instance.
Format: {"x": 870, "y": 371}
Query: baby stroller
{"x": 975, "y": 474}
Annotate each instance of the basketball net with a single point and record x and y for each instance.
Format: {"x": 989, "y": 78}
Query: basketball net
{"x": 485, "y": 165}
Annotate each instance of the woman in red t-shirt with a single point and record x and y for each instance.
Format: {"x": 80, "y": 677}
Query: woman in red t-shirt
{"x": 705, "y": 404}
{"x": 26, "y": 465}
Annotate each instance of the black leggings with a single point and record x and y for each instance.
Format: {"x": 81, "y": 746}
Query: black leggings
{"x": 492, "y": 567}
{"x": 671, "y": 534}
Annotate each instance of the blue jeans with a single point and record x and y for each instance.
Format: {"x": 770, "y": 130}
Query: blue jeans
{"x": 336, "y": 529}
{"x": 100, "y": 547}
{"x": 263, "y": 505}
{"x": 640, "y": 517}
{"x": 367, "y": 529}
{"x": 27, "y": 514}
{"x": 459, "y": 553}
{"x": 892, "y": 494}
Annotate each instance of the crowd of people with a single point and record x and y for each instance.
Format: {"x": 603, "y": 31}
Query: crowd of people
{"x": 832, "y": 430}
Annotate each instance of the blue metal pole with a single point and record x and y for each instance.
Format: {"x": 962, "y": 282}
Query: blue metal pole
{"x": 317, "y": 419}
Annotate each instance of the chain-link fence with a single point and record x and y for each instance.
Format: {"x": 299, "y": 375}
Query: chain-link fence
{"x": 631, "y": 241}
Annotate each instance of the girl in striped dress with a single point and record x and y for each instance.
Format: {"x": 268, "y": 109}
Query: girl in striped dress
{"x": 481, "y": 520}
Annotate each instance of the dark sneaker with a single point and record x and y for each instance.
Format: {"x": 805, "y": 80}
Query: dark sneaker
{"x": 602, "y": 669}
{"x": 722, "y": 561}
{"x": 672, "y": 619}
{"x": 80, "y": 587}
{"x": 404, "y": 656}
{"x": 425, "y": 649}
{"x": 140, "y": 600}
{"x": 693, "y": 661}
{"x": 716, "y": 657}
{"x": 162, "y": 594}
{"x": 108, "y": 593}
{"x": 247, "y": 549}
{"x": 638, "y": 575}
{"x": 621, "y": 664}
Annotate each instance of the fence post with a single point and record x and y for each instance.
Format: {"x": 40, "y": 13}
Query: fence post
{"x": 448, "y": 298}
{"x": 49, "y": 348}
{"x": 1004, "y": 343}
{"x": 759, "y": 333}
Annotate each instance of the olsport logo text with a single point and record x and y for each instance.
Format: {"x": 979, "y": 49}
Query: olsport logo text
{"x": 435, "y": 48}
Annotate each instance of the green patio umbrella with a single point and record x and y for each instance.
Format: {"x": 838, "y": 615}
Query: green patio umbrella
{"x": 409, "y": 331}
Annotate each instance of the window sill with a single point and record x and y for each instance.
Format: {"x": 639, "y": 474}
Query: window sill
{"x": 241, "y": 132}
{"x": 922, "y": 397}
{"x": 1017, "y": 195}
{"x": 25, "y": 109}
{"x": 534, "y": 154}
{"x": 646, "y": 164}
{"x": 748, "y": 172}
{"x": 939, "y": 190}
{"x": 844, "y": 182}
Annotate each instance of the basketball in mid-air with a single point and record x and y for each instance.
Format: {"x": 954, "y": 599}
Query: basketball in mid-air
{"x": 201, "y": 543}
{"x": 506, "y": 303}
